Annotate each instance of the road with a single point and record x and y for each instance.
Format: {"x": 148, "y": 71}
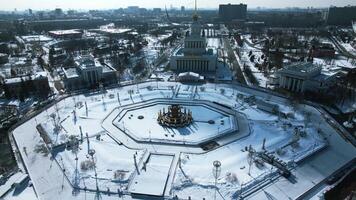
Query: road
{"x": 342, "y": 50}
{"x": 235, "y": 65}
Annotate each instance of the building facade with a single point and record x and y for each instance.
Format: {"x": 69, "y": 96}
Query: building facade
{"x": 306, "y": 76}
{"x": 24, "y": 86}
{"x": 232, "y": 12}
{"x": 194, "y": 56}
{"x": 341, "y": 15}
{"x": 88, "y": 73}
{"x": 323, "y": 50}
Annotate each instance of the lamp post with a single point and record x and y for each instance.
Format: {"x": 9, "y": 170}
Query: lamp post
{"x": 216, "y": 173}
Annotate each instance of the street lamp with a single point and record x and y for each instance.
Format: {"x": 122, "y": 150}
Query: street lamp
{"x": 216, "y": 173}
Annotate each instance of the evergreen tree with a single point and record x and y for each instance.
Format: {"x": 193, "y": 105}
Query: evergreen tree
{"x": 50, "y": 56}
{"x": 23, "y": 91}
{"x": 7, "y": 92}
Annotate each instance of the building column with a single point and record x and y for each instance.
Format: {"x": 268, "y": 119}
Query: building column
{"x": 282, "y": 81}
{"x": 299, "y": 85}
{"x": 285, "y": 82}
{"x": 294, "y": 84}
{"x": 302, "y": 86}
{"x": 289, "y": 83}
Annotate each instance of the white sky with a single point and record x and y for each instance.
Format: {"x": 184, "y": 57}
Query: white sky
{"x": 111, "y": 4}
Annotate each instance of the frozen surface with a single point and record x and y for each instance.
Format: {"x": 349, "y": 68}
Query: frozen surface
{"x": 198, "y": 131}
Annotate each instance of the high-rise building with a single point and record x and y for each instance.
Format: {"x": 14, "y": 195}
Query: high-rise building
{"x": 341, "y": 15}
{"x": 182, "y": 9}
{"x": 231, "y": 12}
{"x": 133, "y": 9}
{"x": 156, "y": 10}
{"x": 58, "y": 11}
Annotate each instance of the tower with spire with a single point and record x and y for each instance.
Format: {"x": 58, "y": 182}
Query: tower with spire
{"x": 194, "y": 55}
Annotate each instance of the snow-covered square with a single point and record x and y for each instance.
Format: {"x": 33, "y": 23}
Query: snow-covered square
{"x": 110, "y": 143}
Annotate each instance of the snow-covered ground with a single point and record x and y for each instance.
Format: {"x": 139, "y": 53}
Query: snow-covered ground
{"x": 114, "y": 164}
{"x": 332, "y": 66}
{"x": 197, "y": 132}
{"x": 235, "y": 174}
{"x": 110, "y": 162}
{"x": 245, "y": 58}
{"x": 26, "y": 193}
{"x": 153, "y": 176}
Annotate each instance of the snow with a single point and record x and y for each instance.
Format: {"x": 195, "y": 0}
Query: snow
{"x": 213, "y": 42}
{"x": 153, "y": 178}
{"x": 26, "y": 194}
{"x": 109, "y": 158}
{"x": 7, "y": 186}
{"x": 262, "y": 79}
{"x": 349, "y": 48}
{"x": 199, "y": 131}
{"x": 333, "y": 66}
{"x": 348, "y": 124}
{"x": 236, "y": 163}
{"x": 115, "y": 151}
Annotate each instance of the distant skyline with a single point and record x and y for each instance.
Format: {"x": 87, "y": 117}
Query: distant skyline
{"x": 113, "y": 4}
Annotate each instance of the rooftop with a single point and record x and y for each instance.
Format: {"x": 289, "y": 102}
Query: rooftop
{"x": 36, "y": 76}
{"x": 208, "y": 52}
{"x": 86, "y": 61}
{"x": 36, "y": 38}
{"x": 115, "y": 30}
{"x": 302, "y": 67}
{"x": 71, "y": 72}
{"x": 64, "y": 32}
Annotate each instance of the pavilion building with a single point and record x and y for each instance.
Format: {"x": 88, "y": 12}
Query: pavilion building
{"x": 194, "y": 56}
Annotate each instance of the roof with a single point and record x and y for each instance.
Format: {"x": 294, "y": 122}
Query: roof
{"x": 191, "y": 76}
{"x": 36, "y": 38}
{"x": 37, "y": 76}
{"x": 208, "y": 52}
{"x": 65, "y": 32}
{"x": 302, "y": 69}
{"x": 71, "y": 73}
{"x": 107, "y": 69}
{"x": 188, "y": 74}
{"x": 3, "y": 55}
{"x": 115, "y": 30}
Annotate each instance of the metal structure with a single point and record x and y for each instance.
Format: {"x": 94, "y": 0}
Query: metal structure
{"x": 175, "y": 117}
{"x": 216, "y": 173}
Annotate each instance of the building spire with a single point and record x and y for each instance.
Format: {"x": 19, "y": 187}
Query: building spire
{"x": 195, "y": 16}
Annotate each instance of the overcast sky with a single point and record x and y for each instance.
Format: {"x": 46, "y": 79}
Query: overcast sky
{"x": 110, "y": 4}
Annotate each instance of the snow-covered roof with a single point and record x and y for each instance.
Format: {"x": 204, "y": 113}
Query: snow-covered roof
{"x": 190, "y": 76}
{"x": 64, "y": 32}
{"x": 304, "y": 69}
{"x": 36, "y": 76}
{"x": 71, "y": 73}
{"x": 36, "y": 38}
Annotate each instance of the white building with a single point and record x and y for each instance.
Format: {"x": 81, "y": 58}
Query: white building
{"x": 88, "y": 72}
{"x": 194, "y": 55}
{"x": 305, "y": 76}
